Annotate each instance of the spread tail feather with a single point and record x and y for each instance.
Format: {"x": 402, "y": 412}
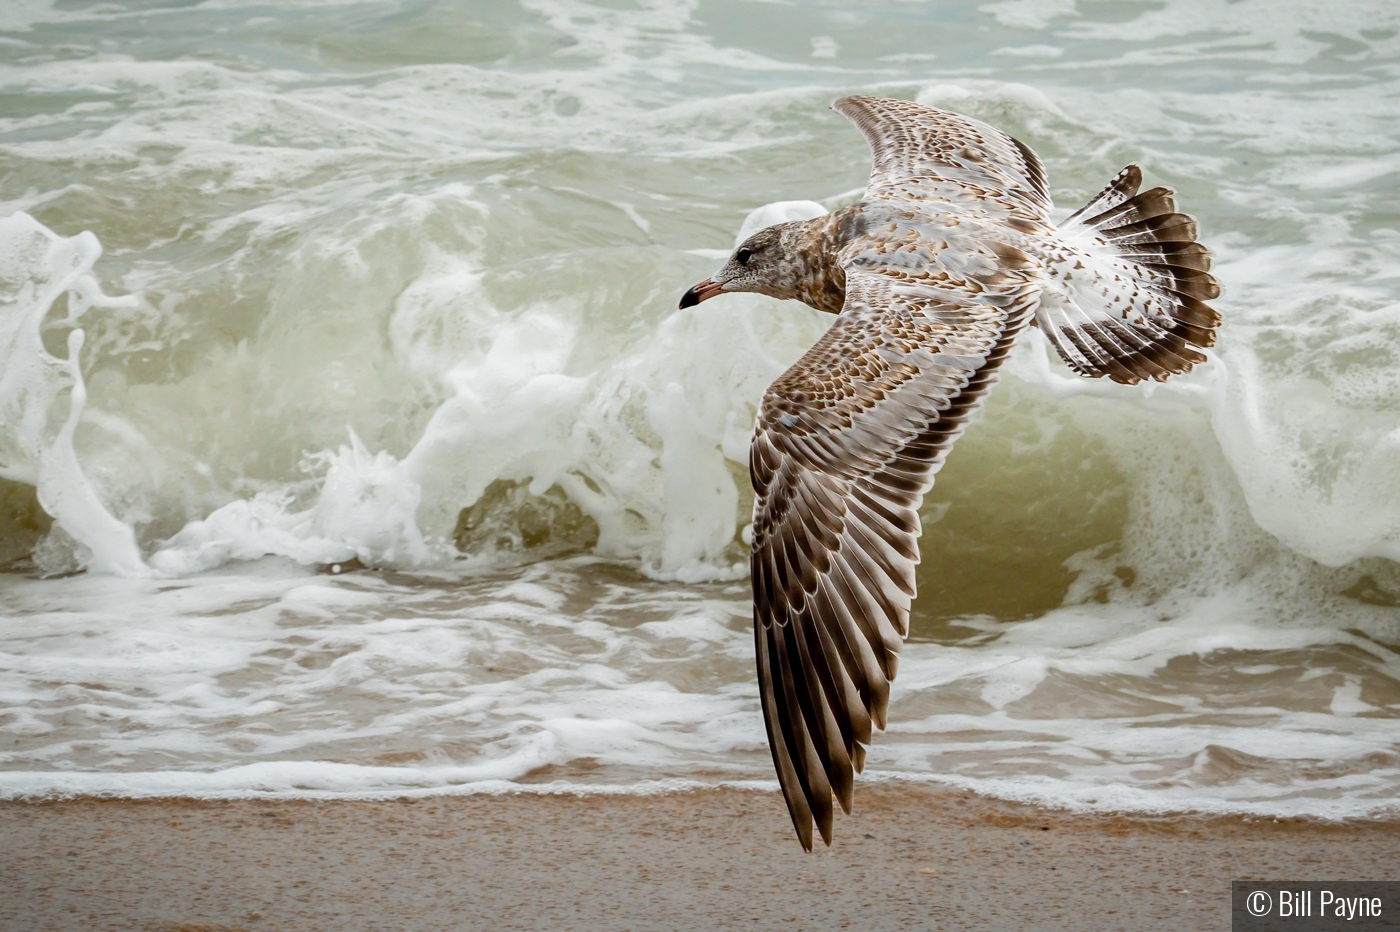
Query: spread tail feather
{"x": 1128, "y": 286}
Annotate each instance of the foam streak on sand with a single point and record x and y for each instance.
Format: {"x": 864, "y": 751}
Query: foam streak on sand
{"x": 397, "y": 293}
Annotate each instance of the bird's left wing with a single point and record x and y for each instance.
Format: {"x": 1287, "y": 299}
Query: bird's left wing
{"x": 846, "y": 445}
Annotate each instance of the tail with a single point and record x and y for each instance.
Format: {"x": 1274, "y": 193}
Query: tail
{"x": 1128, "y": 286}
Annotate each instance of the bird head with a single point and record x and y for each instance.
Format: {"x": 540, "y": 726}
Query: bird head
{"x": 761, "y": 263}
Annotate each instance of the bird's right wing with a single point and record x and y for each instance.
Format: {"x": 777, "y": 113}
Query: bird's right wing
{"x": 925, "y": 154}
{"x": 846, "y": 446}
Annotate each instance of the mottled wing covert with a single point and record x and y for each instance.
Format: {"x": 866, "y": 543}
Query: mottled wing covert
{"x": 925, "y": 154}
{"x": 846, "y": 446}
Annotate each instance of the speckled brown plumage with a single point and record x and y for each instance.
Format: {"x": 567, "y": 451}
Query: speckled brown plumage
{"x": 950, "y": 256}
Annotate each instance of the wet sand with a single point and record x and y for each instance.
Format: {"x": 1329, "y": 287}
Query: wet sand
{"x": 911, "y": 858}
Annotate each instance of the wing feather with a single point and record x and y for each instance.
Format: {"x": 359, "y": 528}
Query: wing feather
{"x": 925, "y": 154}
{"x": 846, "y": 446}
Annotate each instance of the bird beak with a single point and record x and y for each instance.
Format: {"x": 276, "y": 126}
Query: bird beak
{"x": 701, "y": 292}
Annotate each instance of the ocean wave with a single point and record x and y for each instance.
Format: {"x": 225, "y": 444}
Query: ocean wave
{"x": 396, "y": 305}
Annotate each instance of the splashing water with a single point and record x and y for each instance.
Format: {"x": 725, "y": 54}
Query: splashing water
{"x": 40, "y": 267}
{"x": 340, "y": 349}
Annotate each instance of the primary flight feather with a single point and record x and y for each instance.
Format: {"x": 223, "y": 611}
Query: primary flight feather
{"x": 949, "y": 256}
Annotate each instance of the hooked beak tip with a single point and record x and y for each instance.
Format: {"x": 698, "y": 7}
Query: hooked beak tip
{"x": 701, "y": 292}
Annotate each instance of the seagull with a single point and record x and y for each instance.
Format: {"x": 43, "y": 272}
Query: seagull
{"x": 950, "y": 255}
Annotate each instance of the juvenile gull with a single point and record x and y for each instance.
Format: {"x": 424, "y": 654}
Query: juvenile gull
{"x": 950, "y": 255}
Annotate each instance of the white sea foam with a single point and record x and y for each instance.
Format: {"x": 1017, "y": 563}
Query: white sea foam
{"x": 376, "y": 304}
{"x": 39, "y": 267}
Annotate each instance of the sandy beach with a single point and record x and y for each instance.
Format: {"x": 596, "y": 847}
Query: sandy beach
{"x": 911, "y": 857}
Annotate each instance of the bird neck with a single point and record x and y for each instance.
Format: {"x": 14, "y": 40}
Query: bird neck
{"x": 819, "y": 280}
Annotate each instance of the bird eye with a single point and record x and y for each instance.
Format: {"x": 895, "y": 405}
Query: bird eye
{"x": 742, "y": 256}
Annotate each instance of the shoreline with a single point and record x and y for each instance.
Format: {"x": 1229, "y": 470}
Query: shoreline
{"x": 910, "y": 856}
{"x": 53, "y": 791}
